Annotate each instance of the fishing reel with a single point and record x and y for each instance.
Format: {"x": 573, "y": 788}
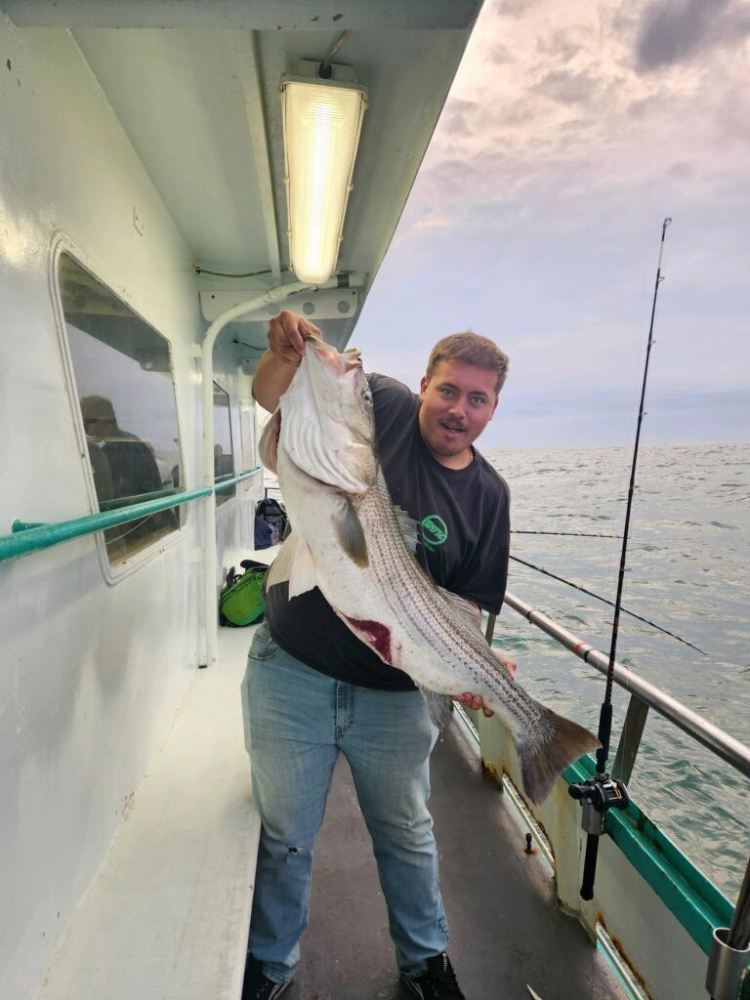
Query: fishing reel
{"x": 597, "y": 796}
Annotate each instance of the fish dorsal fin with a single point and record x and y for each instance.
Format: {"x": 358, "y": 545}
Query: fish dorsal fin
{"x": 408, "y": 528}
{"x": 350, "y": 533}
{"x": 294, "y": 564}
{"x": 269, "y": 442}
{"x": 468, "y": 610}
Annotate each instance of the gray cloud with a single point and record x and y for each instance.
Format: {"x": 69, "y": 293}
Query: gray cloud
{"x": 674, "y": 30}
{"x": 560, "y": 45}
{"x": 513, "y": 8}
{"x": 515, "y": 114}
{"x": 681, "y": 169}
{"x": 568, "y": 88}
{"x": 641, "y": 108}
{"x": 456, "y": 124}
{"x": 542, "y": 226}
{"x": 459, "y": 104}
{"x": 447, "y": 178}
{"x": 500, "y": 54}
{"x": 733, "y": 121}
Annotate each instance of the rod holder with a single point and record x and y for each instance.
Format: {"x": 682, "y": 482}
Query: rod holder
{"x": 728, "y": 968}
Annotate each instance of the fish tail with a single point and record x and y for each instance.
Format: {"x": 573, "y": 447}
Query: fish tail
{"x": 543, "y": 759}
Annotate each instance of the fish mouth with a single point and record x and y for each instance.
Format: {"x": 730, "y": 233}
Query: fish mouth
{"x": 352, "y": 358}
{"x": 339, "y": 363}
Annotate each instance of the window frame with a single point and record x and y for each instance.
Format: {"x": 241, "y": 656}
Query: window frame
{"x": 113, "y": 573}
{"x": 248, "y": 404}
{"x": 223, "y": 497}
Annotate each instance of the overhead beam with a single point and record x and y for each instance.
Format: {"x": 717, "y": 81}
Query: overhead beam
{"x": 247, "y": 50}
{"x": 258, "y": 15}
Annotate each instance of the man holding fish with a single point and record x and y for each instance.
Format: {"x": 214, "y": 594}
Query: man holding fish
{"x": 400, "y": 536}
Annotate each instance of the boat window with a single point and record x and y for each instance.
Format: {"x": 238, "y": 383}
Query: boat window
{"x": 124, "y": 383}
{"x": 247, "y": 435}
{"x": 223, "y": 450}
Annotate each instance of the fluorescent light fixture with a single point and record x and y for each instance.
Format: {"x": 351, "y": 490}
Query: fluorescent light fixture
{"x": 322, "y": 124}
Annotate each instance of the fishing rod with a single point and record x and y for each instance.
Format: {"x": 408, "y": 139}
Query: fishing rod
{"x": 568, "y": 534}
{"x": 601, "y": 793}
{"x": 604, "y": 600}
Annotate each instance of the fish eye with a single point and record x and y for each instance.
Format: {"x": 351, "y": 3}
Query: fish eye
{"x": 367, "y": 395}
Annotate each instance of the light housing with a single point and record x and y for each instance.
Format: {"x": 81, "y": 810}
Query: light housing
{"x": 322, "y": 124}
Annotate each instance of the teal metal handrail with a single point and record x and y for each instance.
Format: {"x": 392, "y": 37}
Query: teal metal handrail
{"x": 120, "y": 502}
{"x": 225, "y": 484}
{"x": 29, "y": 537}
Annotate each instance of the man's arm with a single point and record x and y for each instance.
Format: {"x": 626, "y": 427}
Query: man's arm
{"x": 286, "y": 344}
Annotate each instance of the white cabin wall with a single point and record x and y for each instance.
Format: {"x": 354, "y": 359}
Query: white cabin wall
{"x": 92, "y": 672}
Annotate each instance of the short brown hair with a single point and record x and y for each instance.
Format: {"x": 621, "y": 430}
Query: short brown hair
{"x": 472, "y": 349}
{"x": 97, "y": 408}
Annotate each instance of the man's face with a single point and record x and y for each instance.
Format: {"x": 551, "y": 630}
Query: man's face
{"x": 458, "y": 400}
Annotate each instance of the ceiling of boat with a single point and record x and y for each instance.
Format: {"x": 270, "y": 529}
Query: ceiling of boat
{"x": 196, "y": 87}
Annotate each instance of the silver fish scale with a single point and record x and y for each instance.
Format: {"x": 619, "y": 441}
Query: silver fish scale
{"x": 420, "y": 610}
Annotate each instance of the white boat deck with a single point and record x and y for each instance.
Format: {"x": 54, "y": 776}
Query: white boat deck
{"x": 166, "y": 918}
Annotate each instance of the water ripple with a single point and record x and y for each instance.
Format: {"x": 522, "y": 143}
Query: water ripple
{"x": 687, "y": 570}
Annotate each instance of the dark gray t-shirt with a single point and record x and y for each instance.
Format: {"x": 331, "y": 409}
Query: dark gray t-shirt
{"x": 464, "y": 519}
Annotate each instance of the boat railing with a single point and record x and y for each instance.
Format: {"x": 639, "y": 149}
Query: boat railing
{"x": 643, "y": 696}
{"x": 634, "y": 843}
{"x": 27, "y": 537}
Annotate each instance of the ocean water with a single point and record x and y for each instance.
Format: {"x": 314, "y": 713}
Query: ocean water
{"x": 688, "y": 560}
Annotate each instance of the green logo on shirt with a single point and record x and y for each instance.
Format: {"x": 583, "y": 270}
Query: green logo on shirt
{"x": 434, "y": 531}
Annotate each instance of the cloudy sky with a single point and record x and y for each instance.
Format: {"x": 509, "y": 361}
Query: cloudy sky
{"x": 571, "y": 131}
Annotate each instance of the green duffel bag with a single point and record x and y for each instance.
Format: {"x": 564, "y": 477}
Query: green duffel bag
{"x": 241, "y": 602}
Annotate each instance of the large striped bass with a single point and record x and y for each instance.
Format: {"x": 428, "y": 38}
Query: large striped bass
{"x": 350, "y": 541}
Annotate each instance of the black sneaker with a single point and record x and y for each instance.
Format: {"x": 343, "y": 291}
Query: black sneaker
{"x": 437, "y": 982}
{"x": 256, "y": 986}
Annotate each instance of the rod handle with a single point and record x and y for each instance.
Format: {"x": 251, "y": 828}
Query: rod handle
{"x": 589, "y": 866}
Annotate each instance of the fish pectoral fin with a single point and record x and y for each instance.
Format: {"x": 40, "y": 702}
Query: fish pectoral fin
{"x": 440, "y": 707}
{"x": 294, "y": 563}
{"x": 269, "y": 443}
{"x": 468, "y": 610}
{"x": 350, "y": 533}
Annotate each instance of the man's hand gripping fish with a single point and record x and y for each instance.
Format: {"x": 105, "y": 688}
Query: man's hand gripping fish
{"x": 351, "y": 542}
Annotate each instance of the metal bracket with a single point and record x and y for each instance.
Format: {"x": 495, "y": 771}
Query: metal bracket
{"x": 728, "y": 968}
{"x": 630, "y": 739}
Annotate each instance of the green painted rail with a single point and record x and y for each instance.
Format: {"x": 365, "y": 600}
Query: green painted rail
{"x": 693, "y": 899}
{"x": 120, "y": 502}
{"x": 29, "y": 537}
{"x": 226, "y": 484}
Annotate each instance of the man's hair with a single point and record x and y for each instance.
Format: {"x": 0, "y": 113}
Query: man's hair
{"x": 472, "y": 349}
{"x": 97, "y": 408}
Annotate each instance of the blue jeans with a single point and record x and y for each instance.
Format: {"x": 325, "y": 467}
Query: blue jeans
{"x": 296, "y": 722}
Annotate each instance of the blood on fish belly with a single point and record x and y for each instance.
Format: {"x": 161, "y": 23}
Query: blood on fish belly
{"x": 375, "y": 634}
